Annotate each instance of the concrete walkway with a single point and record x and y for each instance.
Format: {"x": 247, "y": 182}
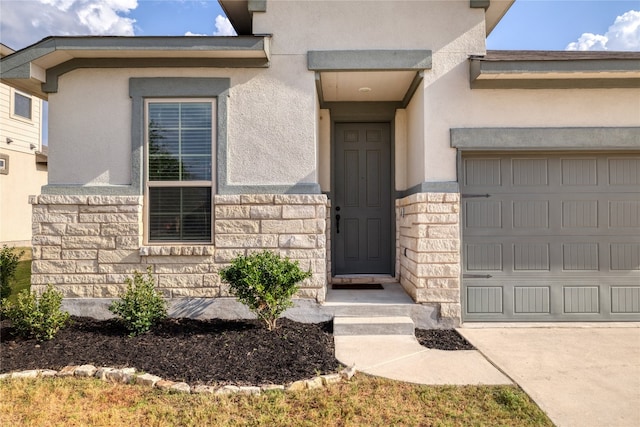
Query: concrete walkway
{"x": 401, "y": 357}
{"x": 580, "y": 376}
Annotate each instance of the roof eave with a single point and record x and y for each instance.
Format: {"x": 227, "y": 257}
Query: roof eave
{"x": 494, "y": 11}
{"x": 240, "y": 13}
{"x": 29, "y": 69}
{"x": 564, "y": 71}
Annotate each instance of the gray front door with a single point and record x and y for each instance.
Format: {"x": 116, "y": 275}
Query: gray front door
{"x": 361, "y": 209}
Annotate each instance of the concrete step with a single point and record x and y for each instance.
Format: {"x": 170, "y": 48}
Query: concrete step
{"x": 381, "y": 325}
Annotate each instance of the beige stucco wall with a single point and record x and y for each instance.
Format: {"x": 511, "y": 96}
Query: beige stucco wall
{"x": 453, "y": 31}
{"x": 450, "y": 103}
{"x": 25, "y": 177}
{"x": 90, "y": 124}
{"x": 302, "y": 25}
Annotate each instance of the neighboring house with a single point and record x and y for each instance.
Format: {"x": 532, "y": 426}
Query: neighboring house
{"x": 23, "y": 160}
{"x": 371, "y": 141}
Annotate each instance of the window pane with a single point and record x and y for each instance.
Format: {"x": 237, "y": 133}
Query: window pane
{"x": 196, "y": 168}
{"x": 180, "y": 138}
{"x": 196, "y": 115}
{"x": 180, "y": 214}
{"x": 196, "y": 141}
{"x": 164, "y": 115}
{"x": 22, "y": 106}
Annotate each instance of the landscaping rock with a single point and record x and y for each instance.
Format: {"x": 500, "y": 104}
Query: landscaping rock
{"x": 85, "y": 371}
{"x": 48, "y": 373}
{"x": 249, "y": 390}
{"x": 314, "y": 383}
{"x": 164, "y": 384}
{"x": 101, "y": 373}
{"x": 67, "y": 371}
{"x": 32, "y": 373}
{"x": 147, "y": 380}
{"x": 228, "y": 389}
{"x": 297, "y": 386}
{"x": 125, "y": 375}
{"x": 331, "y": 379}
{"x": 207, "y": 389}
{"x": 181, "y": 387}
{"x": 348, "y": 373}
{"x": 272, "y": 387}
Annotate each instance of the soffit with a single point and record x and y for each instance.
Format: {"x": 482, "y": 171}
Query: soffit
{"x": 368, "y": 75}
{"x": 30, "y": 67}
{"x": 554, "y": 69}
{"x": 494, "y": 13}
{"x": 366, "y": 85}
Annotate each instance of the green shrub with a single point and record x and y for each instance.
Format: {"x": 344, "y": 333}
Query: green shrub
{"x": 141, "y": 306}
{"x": 8, "y": 264}
{"x": 40, "y": 318}
{"x": 265, "y": 283}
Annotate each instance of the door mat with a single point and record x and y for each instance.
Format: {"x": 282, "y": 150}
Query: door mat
{"x": 357, "y": 286}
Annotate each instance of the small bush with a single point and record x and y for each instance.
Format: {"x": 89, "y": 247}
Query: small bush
{"x": 39, "y": 318}
{"x": 141, "y": 306}
{"x": 265, "y": 283}
{"x": 8, "y": 264}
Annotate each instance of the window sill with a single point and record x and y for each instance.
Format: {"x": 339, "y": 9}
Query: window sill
{"x": 205, "y": 249}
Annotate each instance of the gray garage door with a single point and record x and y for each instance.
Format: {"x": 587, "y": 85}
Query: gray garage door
{"x": 551, "y": 237}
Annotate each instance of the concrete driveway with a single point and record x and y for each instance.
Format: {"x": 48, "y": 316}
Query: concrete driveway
{"x": 579, "y": 375}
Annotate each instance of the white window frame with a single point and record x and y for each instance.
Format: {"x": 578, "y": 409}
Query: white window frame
{"x": 163, "y": 184}
{"x": 13, "y": 113}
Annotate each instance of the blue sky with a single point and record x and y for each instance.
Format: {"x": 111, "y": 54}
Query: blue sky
{"x": 530, "y": 24}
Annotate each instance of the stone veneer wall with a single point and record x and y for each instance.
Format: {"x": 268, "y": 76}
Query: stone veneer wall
{"x": 87, "y": 245}
{"x": 429, "y": 250}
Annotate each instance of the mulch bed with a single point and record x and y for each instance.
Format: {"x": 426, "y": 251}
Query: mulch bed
{"x": 194, "y": 351}
{"x": 239, "y": 352}
{"x": 442, "y": 339}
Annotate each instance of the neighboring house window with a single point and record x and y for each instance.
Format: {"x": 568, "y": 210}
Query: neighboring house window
{"x": 21, "y": 105}
{"x": 180, "y": 139}
{"x": 4, "y": 164}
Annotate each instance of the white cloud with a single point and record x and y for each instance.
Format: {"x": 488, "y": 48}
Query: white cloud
{"x": 224, "y": 27}
{"x": 23, "y": 22}
{"x": 623, "y": 35}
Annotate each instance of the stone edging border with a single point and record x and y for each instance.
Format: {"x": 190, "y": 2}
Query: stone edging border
{"x": 130, "y": 376}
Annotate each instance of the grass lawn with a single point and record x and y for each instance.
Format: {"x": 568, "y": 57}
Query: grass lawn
{"x": 23, "y": 273}
{"x": 365, "y": 401}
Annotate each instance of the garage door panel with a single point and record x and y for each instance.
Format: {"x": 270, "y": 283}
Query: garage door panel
{"x": 625, "y": 299}
{"x": 546, "y": 254}
{"x": 555, "y": 237}
{"x": 532, "y": 299}
{"x": 483, "y": 172}
{"x": 624, "y": 214}
{"x": 529, "y": 172}
{"x": 581, "y": 299}
{"x": 484, "y": 257}
{"x": 624, "y": 171}
{"x": 531, "y": 256}
{"x": 625, "y": 256}
{"x": 579, "y": 172}
{"x": 484, "y": 214}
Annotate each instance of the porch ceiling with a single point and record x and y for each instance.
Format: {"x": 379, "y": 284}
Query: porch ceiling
{"x": 368, "y": 75}
{"x": 366, "y": 86}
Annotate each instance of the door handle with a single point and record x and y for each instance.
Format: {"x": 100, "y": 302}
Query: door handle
{"x": 338, "y": 224}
